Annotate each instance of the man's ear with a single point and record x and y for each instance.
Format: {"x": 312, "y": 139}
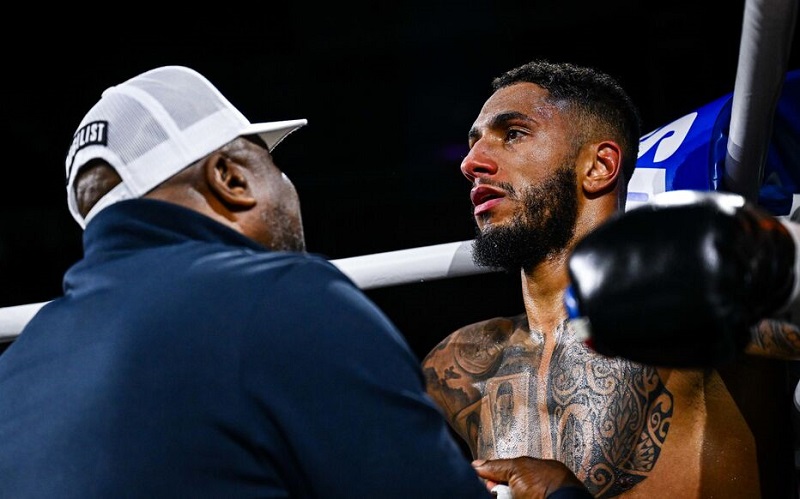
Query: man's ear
{"x": 604, "y": 168}
{"x": 227, "y": 180}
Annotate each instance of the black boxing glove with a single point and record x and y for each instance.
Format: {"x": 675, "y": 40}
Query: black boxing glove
{"x": 681, "y": 281}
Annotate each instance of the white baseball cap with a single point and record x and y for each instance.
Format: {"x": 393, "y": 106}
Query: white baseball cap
{"x": 153, "y": 126}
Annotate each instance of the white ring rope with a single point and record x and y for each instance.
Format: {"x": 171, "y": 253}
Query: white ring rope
{"x": 767, "y": 32}
{"x": 13, "y": 319}
{"x": 426, "y": 263}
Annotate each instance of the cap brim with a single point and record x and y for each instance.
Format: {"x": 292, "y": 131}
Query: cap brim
{"x": 274, "y": 132}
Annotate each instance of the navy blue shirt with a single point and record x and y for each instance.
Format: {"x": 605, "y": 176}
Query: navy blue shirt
{"x": 186, "y": 360}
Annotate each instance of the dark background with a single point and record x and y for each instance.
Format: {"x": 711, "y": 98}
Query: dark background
{"x": 389, "y": 89}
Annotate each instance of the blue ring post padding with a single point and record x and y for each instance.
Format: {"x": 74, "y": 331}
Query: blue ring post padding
{"x": 690, "y": 152}
{"x": 782, "y": 168}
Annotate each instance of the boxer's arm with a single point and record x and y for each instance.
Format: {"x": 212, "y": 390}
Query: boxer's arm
{"x": 776, "y": 339}
{"x": 685, "y": 280}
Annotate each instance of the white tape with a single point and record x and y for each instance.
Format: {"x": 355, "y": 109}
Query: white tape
{"x": 502, "y": 492}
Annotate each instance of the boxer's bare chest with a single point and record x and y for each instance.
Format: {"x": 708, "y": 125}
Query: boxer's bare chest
{"x": 606, "y": 418}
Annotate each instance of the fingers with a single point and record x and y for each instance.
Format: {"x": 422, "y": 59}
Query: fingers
{"x": 527, "y": 476}
{"x": 496, "y": 471}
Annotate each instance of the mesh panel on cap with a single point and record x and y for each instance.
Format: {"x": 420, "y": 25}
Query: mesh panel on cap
{"x": 135, "y": 131}
{"x": 172, "y": 86}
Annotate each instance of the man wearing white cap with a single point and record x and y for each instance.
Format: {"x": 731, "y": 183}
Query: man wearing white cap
{"x": 199, "y": 350}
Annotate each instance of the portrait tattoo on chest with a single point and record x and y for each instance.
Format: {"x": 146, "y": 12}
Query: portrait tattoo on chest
{"x": 606, "y": 418}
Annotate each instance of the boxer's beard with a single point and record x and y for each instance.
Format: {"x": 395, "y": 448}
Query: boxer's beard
{"x": 542, "y": 229}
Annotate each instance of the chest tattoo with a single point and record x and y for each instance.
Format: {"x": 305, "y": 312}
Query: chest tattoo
{"x": 606, "y": 418}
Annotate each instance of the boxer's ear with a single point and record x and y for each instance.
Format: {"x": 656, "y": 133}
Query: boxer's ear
{"x": 603, "y": 167}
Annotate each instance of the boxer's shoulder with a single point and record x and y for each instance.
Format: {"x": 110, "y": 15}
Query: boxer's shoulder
{"x": 497, "y": 329}
{"x": 477, "y": 346}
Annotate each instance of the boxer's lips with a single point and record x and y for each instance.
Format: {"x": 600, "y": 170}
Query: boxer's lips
{"x": 485, "y": 198}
